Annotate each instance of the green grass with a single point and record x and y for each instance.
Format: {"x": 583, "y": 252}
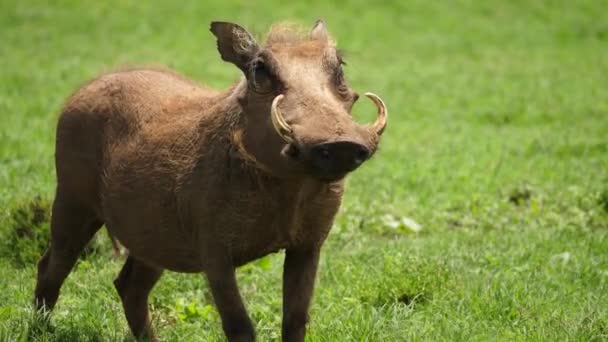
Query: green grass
{"x": 497, "y": 145}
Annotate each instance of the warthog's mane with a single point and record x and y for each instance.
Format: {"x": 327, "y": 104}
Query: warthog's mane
{"x": 289, "y": 33}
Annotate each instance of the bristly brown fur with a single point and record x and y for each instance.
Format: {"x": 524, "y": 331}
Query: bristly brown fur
{"x": 193, "y": 179}
{"x": 289, "y": 33}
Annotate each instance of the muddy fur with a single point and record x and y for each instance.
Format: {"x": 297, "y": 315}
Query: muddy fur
{"x": 192, "y": 179}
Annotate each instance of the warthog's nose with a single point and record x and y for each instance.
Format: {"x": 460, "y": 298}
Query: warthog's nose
{"x": 334, "y": 160}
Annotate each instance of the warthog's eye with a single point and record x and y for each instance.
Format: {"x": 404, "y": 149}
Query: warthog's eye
{"x": 262, "y": 81}
{"x": 341, "y": 86}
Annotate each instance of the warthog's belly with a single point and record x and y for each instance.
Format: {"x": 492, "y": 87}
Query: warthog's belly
{"x": 191, "y": 236}
{"x": 187, "y": 237}
{"x": 183, "y": 246}
{"x": 153, "y": 232}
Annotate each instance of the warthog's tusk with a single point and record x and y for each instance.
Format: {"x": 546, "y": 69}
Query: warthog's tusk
{"x": 380, "y": 123}
{"x": 282, "y": 128}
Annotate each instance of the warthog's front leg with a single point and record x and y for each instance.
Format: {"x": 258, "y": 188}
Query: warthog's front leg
{"x": 235, "y": 321}
{"x": 298, "y": 283}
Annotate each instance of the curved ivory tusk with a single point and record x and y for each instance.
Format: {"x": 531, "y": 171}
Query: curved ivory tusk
{"x": 278, "y": 122}
{"x": 380, "y": 123}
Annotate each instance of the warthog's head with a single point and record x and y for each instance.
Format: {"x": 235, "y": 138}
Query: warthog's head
{"x": 297, "y": 103}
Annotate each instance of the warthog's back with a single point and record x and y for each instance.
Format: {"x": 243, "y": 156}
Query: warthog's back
{"x": 128, "y": 120}
{"x": 131, "y": 100}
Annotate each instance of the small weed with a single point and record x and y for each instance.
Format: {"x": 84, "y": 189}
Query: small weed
{"x": 403, "y": 224}
{"x": 603, "y": 200}
{"x": 520, "y": 195}
{"x": 193, "y": 311}
{"x": 263, "y": 264}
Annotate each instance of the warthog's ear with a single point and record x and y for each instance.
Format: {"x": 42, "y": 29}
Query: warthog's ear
{"x": 234, "y": 43}
{"x": 319, "y": 31}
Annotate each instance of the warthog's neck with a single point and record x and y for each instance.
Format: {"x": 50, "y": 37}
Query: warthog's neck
{"x": 249, "y": 132}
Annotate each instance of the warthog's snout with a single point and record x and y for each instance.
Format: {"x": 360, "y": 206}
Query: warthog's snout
{"x": 329, "y": 146}
{"x": 333, "y": 160}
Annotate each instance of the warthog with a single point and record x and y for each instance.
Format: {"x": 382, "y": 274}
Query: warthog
{"x": 192, "y": 179}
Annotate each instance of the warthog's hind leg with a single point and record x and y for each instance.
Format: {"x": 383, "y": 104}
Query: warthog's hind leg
{"x": 72, "y": 227}
{"x": 134, "y": 283}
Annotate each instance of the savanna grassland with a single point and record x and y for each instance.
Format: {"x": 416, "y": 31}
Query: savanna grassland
{"x": 497, "y": 147}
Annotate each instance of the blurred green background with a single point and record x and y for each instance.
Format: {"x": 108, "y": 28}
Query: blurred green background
{"x": 484, "y": 216}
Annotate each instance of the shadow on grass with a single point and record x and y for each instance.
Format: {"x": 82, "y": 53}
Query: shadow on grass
{"x": 411, "y": 300}
{"x": 26, "y": 235}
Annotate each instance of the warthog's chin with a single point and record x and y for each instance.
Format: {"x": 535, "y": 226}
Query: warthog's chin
{"x": 291, "y": 151}
{"x": 331, "y": 179}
